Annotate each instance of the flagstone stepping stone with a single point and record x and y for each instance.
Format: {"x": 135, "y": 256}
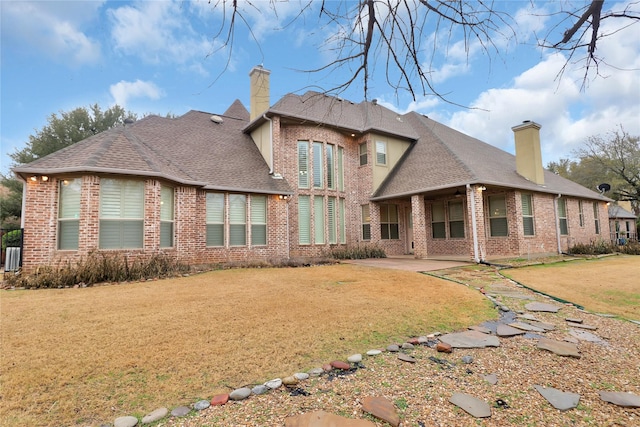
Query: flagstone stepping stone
{"x": 582, "y": 326}
{"x": 560, "y": 400}
{"x": 573, "y": 320}
{"x": 180, "y": 411}
{"x": 586, "y": 336}
{"x": 543, "y": 307}
{"x": 627, "y": 400}
{"x": 507, "y": 291}
{"x": 201, "y": 405}
{"x": 543, "y": 325}
{"x": 381, "y": 408}
{"x": 482, "y": 329}
{"x": 561, "y": 348}
{"x": 527, "y": 316}
{"x": 315, "y": 372}
{"x": 571, "y": 339}
{"x": 156, "y": 415}
{"x": 240, "y": 393}
{"x": 470, "y": 339}
{"x": 508, "y": 331}
{"x": 526, "y": 327}
{"x": 406, "y": 358}
{"x": 474, "y": 406}
{"x": 324, "y": 419}
{"x": 220, "y": 399}
{"x": 260, "y": 389}
{"x": 491, "y": 379}
{"x": 355, "y": 358}
{"x": 273, "y": 384}
{"x": 127, "y": 421}
{"x": 373, "y": 352}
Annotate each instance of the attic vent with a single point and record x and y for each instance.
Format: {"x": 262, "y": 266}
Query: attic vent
{"x": 216, "y": 119}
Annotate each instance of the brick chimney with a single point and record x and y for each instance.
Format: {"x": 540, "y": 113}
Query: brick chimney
{"x": 259, "y": 91}
{"x": 528, "y": 153}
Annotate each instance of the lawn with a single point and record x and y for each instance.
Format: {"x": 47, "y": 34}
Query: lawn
{"x": 606, "y": 285}
{"x": 87, "y": 356}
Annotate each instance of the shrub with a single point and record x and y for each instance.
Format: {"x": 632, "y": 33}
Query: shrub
{"x": 630, "y": 248}
{"x": 598, "y": 247}
{"x": 11, "y": 239}
{"x": 358, "y": 252}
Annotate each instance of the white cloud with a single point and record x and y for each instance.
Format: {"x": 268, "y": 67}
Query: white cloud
{"x": 54, "y": 29}
{"x": 123, "y": 91}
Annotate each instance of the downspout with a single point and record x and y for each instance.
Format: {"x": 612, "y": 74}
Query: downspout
{"x": 555, "y": 211}
{"x": 270, "y": 142}
{"x": 474, "y": 227}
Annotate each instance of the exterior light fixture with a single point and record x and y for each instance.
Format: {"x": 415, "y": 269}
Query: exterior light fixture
{"x": 44, "y": 178}
{"x": 482, "y": 188}
{"x": 33, "y": 178}
{"x": 283, "y": 197}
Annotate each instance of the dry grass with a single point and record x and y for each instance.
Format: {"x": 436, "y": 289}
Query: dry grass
{"x": 605, "y": 285}
{"x": 86, "y": 356}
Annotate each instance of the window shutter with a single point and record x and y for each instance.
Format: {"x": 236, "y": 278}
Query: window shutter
{"x": 317, "y": 165}
{"x": 318, "y": 219}
{"x": 258, "y": 220}
{"x": 237, "y": 219}
{"x": 304, "y": 220}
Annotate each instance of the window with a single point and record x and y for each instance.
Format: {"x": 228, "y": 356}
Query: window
{"x": 438, "y": 228}
{"x": 331, "y": 171}
{"x": 363, "y": 154}
{"x": 389, "y": 222}
{"x": 121, "y": 214}
{"x": 527, "y": 215}
{"x": 340, "y": 169}
{"x": 69, "y": 214}
{"x": 562, "y": 216}
{"x": 596, "y": 217}
{"x": 456, "y": 219}
{"x": 343, "y": 225}
{"x": 258, "y": 220}
{"x": 332, "y": 216}
{"x": 304, "y": 220}
{"x": 317, "y": 165}
{"x": 166, "y": 217}
{"x": 581, "y": 213}
{"x": 498, "y": 216}
{"x": 381, "y": 153}
{"x": 318, "y": 219}
{"x": 215, "y": 219}
{"x": 237, "y": 220}
{"x": 303, "y": 164}
{"x": 366, "y": 223}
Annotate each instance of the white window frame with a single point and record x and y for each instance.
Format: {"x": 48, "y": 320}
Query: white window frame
{"x": 303, "y": 164}
{"x": 381, "y": 153}
{"x": 167, "y": 203}
{"x": 497, "y": 216}
{"x": 438, "y": 221}
{"x": 259, "y": 235}
{"x": 121, "y": 214}
{"x": 528, "y": 219}
{"x": 70, "y": 191}
{"x": 215, "y": 219}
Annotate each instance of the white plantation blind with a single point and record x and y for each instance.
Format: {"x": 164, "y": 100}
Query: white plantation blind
{"x": 303, "y": 164}
{"x": 258, "y": 220}
{"x": 527, "y": 215}
{"x": 343, "y": 225}
{"x": 381, "y": 153}
{"x": 456, "y": 219}
{"x": 304, "y": 220}
{"x": 438, "y": 228}
{"x": 562, "y": 215}
{"x": 237, "y": 219}
{"x": 69, "y": 214}
{"x": 331, "y": 171}
{"x": 317, "y": 165}
{"x": 366, "y": 222}
{"x": 166, "y": 217}
{"x": 363, "y": 154}
{"x": 332, "y": 215}
{"x": 596, "y": 217}
{"x": 215, "y": 219}
{"x": 340, "y": 168}
{"x": 498, "y": 216}
{"x": 318, "y": 219}
{"x": 121, "y": 214}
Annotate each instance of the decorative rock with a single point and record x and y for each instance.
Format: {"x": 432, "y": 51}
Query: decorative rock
{"x": 273, "y": 384}
{"x": 481, "y": 329}
{"x": 526, "y": 327}
{"x": 315, "y": 372}
{"x": 573, "y": 320}
{"x": 491, "y": 379}
{"x": 582, "y": 326}
{"x": 413, "y": 341}
{"x": 540, "y": 306}
{"x": 586, "y": 336}
{"x": 355, "y": 358}
{"x": 559, "y": 347}
{"x": 260, "y": 389}
{"x": 327, "y": 367}
{"x": 240, "y": 393}
{"x": 221, "y": 399}
{"x": 560, "y": 400}
{"x": 156, "y": 415}
{"x": 406, "y": 358}
{"x": 470, "y": 339}
{"x": 324, "y": 419}
{"x": 381, "y": 408}
{"x": 301, "y": 376}
{"x": 423, "y": 340}
{"x": 201, "y": 405}
{"x": 508, "y": 331}
{"x": 504, "y": 308}
{"x": 407, "y": 346}
{"x": 393, "y": 348}
{"x": 527, "y": 316}
{"x": 180, "y": 411}
{"x": 338, "y": 364}
{"x": 290, "y": 381}
{"x": 373, "y": 352}
{"x": 467, "y": 359}
{"x": 472, "y": 405}
{"x": 127, "y": 421}
{"x": 627, "y": 400}
{"x": 443, "y": 347}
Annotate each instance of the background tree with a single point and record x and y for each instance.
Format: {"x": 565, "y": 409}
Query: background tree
{"x": 61, "y": 130}
{"x": 403, "y": 36}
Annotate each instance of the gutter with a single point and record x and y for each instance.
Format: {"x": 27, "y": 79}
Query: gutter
{"x": 474, "y": 227}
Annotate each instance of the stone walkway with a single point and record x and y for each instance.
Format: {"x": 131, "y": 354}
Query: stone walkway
{"x": 487, "y": 335}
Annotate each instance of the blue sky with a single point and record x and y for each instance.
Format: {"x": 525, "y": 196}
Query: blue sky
{"x": 162, "y": 57}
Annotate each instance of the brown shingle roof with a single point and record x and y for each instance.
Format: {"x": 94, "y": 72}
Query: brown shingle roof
{"x": 190, "y": 149}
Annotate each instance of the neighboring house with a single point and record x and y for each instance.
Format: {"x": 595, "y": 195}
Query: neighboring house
{"x": 295, "y": 179}
{"x": 622, "y": 223}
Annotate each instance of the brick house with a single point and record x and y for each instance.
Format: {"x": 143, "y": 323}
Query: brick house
{"x": 296, "y": 178}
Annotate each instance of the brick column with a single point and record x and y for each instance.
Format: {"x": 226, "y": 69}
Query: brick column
{"x": 418, "y": 216}
{"x": 475, "y": 199}
{"x": 89, "y": 237}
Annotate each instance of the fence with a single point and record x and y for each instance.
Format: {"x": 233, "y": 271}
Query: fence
{"x": 11, "y": 249}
